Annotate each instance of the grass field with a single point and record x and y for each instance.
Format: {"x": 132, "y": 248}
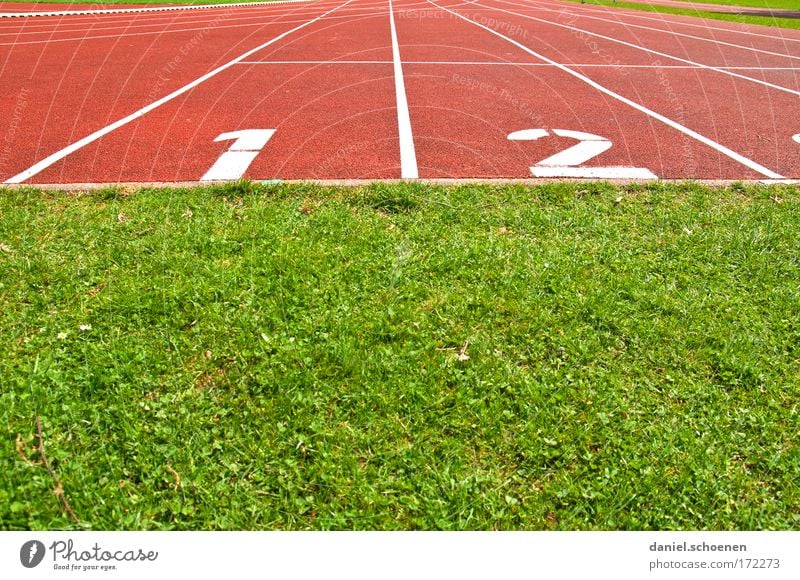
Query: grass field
{"x": 740, "y": 18}
{"x": 401, "y": 357}
{"x": 767, "y": 4}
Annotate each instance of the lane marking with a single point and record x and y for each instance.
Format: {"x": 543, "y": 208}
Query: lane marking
{"x": 649, "y": 112}
{"x": 408, "y": 156}
{"x": 140, "y": 10}
{"x": 594, "y": 172}
{"x": 91, "y": 138}
{"x": 650, "y": 28}
{"x": 642, "y": 48}
{"x": 232, "y": 164}
{"x": 567, "y": 163}
{"x": 796, "y": 138}
{"x": 531, "y": 64}
{"x": 316, "y": 62}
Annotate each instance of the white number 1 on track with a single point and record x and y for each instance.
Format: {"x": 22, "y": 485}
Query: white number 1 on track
{"x": 234, "y": 162}
{"x": 567, "y": 162}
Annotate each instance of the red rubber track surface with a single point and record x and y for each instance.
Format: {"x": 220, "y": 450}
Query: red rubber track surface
{"x": 680, "y": 97}
{"x": 49, "y": 7}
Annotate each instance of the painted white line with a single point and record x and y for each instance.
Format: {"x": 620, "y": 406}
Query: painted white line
{"x": 141, "y": 10}
{"x": 610, "y": 66}
{"x": 593, "y": 172}
{"x": 649, "y": 112}
{"x": 650, "y": 50}
{"x": 408, "y": 156}
{"x": 796, "y": 138}
{"x": 650, "y": 28}
{"x": 59, "y": 155}
{"x": 315, "y": 62}
{"x": 526, "y": 64}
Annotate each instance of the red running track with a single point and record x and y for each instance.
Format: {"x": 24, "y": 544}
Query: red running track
{"x": 373, "y": 89}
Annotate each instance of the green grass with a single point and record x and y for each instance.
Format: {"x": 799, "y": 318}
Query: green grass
{"x": 740, "y": 18}
{"x": 402, "y": 357}
{"x": 766, "y": 4}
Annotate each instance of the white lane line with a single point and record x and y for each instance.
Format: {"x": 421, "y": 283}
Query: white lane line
{"x": 601, "y": 65}
{"x": 408, "y": 156}
{"x": 593, "y": 172}
{"x": 669, "y": 122}
{"x": 650, "y": 50}
{"x": 526, "y": 64}
{"x": 140, "y": 10}
{"x": 59, "y": 155}
{"x": 315, "y": 62}
{"x": 650, "y": 28}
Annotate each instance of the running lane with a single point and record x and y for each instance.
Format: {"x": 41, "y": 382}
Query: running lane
{"x": 743, "y": 97}
{"x": 677, "y": 122}
{"x": 326, "y": 95}
{"x": 59, "y": 91}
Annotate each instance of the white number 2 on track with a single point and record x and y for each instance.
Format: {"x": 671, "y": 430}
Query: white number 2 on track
{"x": 567, "y": 163}
{"x": 234, "y": 162}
